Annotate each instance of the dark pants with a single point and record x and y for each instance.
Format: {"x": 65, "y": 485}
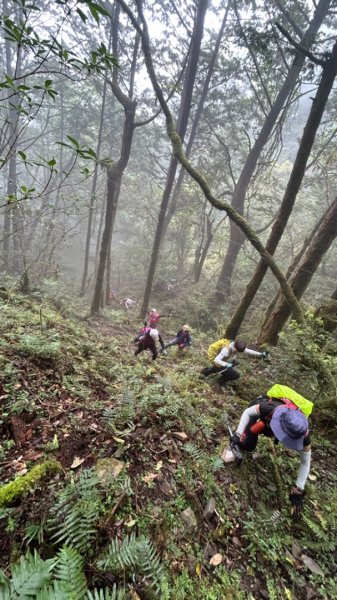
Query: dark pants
{"x": 225, "y": 376}
{"x": 147, "y": 344}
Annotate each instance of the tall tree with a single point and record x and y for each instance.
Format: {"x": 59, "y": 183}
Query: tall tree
{"x": 184, "y": 112}
{"x": 197, "y": 176}
{"x": 115, "y": 172}
{"x": 295, "y": 180}
{"x": 223, "y": 286}
{"x": 302, "y": 273}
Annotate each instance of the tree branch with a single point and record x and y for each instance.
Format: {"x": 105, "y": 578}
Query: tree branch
{"x": 310, "y": 55}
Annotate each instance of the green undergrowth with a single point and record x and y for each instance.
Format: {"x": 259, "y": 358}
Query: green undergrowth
{"x": 140, "y": 530}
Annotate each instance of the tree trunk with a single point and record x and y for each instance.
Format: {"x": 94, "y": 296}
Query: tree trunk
{"x": 13, "y": 121}
{"x": 322, "y": 238}
{"x": 196, "y": 120}
{"x": 93, "y": 194}
{"x": 294, "y": 183}
{"x": 223, "y": 286}
{"x": 197, "y": 176}
{"x": 202, "y": 248}
{"x": 114, "y": 41}
{"x": 115, "y": 174}
{"x": 184, "y": 113}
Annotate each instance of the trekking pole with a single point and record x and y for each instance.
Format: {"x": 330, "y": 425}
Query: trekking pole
{"x": 234, "y": 447}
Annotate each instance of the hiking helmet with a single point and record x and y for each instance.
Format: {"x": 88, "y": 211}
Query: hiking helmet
{"x": 289, "y": 426}
{"x": 239, "y": 345}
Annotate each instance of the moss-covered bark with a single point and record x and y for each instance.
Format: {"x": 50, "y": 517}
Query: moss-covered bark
{"x": 12, "y": 491}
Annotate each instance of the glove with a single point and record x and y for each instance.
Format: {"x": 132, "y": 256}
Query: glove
{"x": 229, "y": 365}
{"x": 265, "y": 354}
{"x": 296, "y": 498}
{"x": 235, "y": 439}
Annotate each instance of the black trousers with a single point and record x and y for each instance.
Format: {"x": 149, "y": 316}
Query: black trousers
{"x": 148, "y": 344}
{"x": 227, "y": 375}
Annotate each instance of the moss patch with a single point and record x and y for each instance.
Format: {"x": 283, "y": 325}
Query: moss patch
{"x": 15, "y": 489}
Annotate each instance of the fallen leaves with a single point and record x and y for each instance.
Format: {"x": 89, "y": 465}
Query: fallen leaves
{"x": 216, "y": 560}
{"x": 77, "y": 462}
{"x": 312, "y": 565}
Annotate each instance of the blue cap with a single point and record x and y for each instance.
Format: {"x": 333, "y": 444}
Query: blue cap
{"x": 290, "y": 427}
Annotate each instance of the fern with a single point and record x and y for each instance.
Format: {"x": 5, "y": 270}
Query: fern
{"x": 193, "y": 450}
{"x": 321, "y": 546}
{"x": 29, "y": 576}
{"x": 69, "y": 570}
{"x": 149, "y": 562}
{"x": 106, "y": 594}
{"x": 77, "y": 512}
{"x": 317, "y": 529}
{"x": 34, "y": 531}
{"x": 171, "y": 408}
{"x": 132, "y": 554}
{"x": 58, "y": 591}
{"x": 272, "y": 593}
{"x": 33, "y": 577}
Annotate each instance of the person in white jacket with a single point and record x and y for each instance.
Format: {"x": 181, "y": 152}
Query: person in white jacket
{"x": 224, "y": 362}
{"x": 147, "y": 341}
{"x": 281, "y": 419}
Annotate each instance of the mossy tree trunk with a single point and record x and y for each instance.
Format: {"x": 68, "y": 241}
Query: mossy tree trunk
{"x": 197, "y": 176}
{"x": 322, "y": 238}
{"x": 184, "y": 113}
{"x": 223, "y": 286}
{"x": 294, "y": 183}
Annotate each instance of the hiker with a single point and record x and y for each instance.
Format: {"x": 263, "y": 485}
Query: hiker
{"x": 128, "y": 303}
{"x": 222, "y": 354}
{"x": 148, "y": 340}
{"x": 183, "y": 339}
{"x": 285, "y": 420}
{"x": 152, "y": 319}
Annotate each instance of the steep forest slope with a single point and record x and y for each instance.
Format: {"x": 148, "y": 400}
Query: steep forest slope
{"x": 113, "y": 484}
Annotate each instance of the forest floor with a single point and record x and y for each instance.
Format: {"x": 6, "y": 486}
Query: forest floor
{"x": 71, "y": 390}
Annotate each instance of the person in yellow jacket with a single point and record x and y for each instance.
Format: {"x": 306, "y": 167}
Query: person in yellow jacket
{"x": 222, "y": 354}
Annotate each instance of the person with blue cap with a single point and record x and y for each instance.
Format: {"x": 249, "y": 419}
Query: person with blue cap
{"x": 281, "y": 419}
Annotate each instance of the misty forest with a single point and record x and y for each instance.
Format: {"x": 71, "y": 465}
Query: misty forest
{"x": 182, "y": 155}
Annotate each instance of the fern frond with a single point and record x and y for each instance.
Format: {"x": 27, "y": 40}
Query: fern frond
{"x": 69, "y": 570}
{"x": 77, "y": 529}
{"x": 134, "y": 554}
{"x": 56, "y": 592}
{"x": 29, "y": 576}
{"x": 193, "y": 450}
{"x": 77, "y": 512}
{"x": 149, "y": 562}
{"x": 106, "y": 594}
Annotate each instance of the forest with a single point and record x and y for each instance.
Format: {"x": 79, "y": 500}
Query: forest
{"x": 180, "y": 154}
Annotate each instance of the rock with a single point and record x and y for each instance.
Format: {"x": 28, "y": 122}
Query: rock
{"x": 165, "y": 488}
{"x": 108, "y": 468}
{"x": 310, "y": 564}
{"x": 227, "y": 456}
{"x": 189, "y": 518}
{"x": 209, "y": 509}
